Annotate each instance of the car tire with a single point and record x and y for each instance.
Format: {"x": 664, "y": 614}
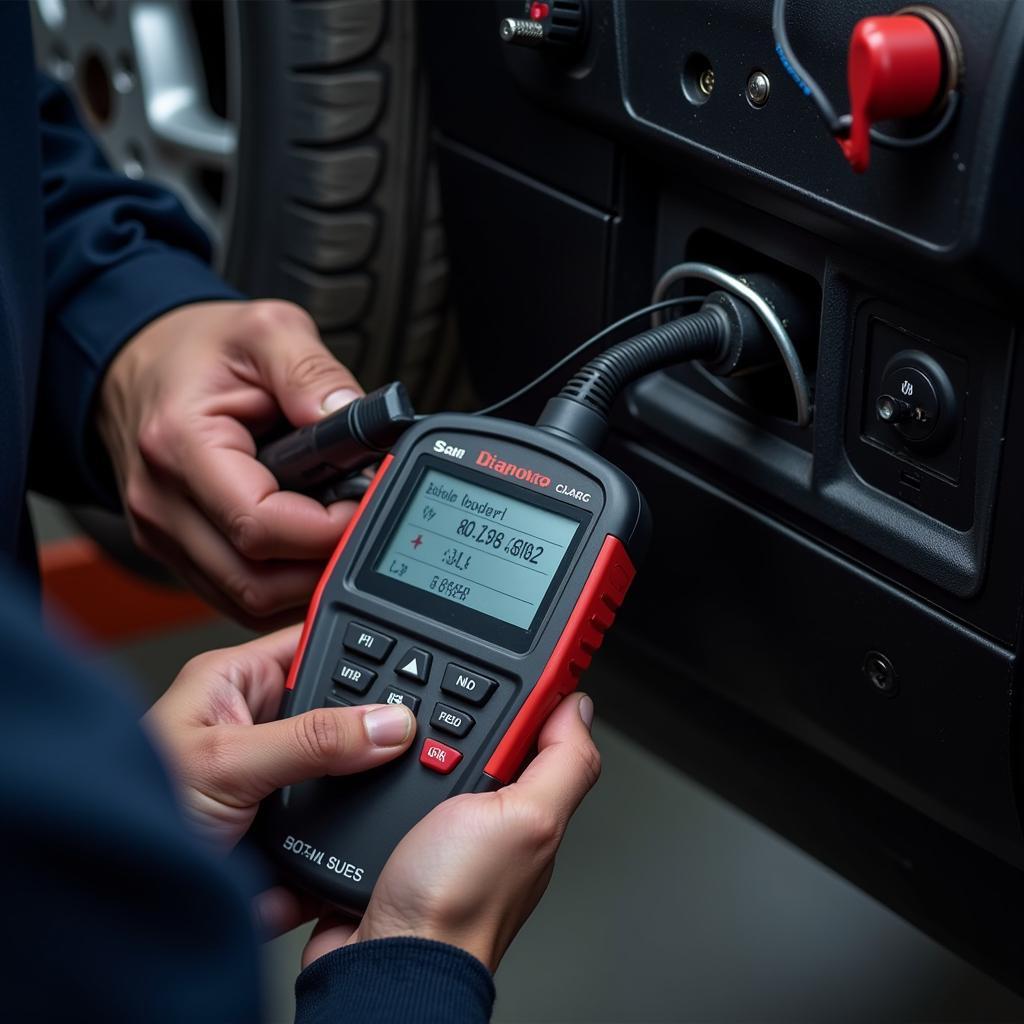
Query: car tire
{"x": 331, "y": 199}
{"x": 337, "y": 205}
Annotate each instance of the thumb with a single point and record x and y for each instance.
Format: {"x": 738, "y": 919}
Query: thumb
{"x": 567, "y": 764}
{"x": 301, "y": 373}
{"x": 324, "y": 741}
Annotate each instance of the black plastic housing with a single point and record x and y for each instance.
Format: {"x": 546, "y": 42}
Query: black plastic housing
{"x": 346, "y": 828}
{"x": 355, "y": 436}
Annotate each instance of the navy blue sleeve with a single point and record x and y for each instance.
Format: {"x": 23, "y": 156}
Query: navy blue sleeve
{"x": 395, "y": 981}
{"x": 118, "y": 254}
{"x": 112, "y": 910}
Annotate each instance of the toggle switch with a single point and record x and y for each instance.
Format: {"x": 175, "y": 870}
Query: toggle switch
{"x": 893, "y": 410}
{"x": 917, "y": 399}
{"x": 899, "y": 66}
{"x": 552, "y": 24}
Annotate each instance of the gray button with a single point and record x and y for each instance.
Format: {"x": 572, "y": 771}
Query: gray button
{"x": 392, "y": 695}
{"x": 368, "y": 642}
{"x": 467, "y": 685}
{"x": 356, "y": 678}
{"x": 415, "y": 664}
{"x": 451, "y": 720}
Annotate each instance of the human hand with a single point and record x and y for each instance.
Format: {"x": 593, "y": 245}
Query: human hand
{"x": 215, "y": 727}
{"x": 472, "y": 871}
{"x": 177, "y": 410}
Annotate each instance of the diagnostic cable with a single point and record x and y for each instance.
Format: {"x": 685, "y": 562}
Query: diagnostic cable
{"x": 474, "y": 584}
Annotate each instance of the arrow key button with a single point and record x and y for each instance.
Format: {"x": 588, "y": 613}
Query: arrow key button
{"x": 415, "y": 664}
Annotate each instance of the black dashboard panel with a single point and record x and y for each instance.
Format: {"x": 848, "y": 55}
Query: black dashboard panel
{"x": 784, "y": 558}
{"x": 922, "y": 196}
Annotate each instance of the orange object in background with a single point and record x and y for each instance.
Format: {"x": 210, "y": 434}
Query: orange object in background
{"x": 105, "y": 602}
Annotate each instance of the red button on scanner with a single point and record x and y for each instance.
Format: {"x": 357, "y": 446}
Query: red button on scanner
{"x": 439, "y": 757}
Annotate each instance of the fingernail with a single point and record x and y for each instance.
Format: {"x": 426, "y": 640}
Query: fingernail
{"x": 338, "y": 399}
{"x": 388, "y": 726}
{"x": 586, "y": 710}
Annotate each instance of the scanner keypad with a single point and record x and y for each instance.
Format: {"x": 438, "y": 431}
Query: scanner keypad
{"x": 460, "y": 686}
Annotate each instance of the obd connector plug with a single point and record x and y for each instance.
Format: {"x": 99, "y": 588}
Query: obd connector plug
{"x": 727, "y": 336}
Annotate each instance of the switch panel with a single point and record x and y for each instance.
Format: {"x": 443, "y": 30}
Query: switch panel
{"x": 908, "y": 422}
{"x": 918, "y": 401}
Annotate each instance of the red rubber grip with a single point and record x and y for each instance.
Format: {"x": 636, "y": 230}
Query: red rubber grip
{"x": 591, "y": 618}
{"x": 314, "y": 604}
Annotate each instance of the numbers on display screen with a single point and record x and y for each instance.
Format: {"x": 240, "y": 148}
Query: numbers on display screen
{"x": 450, "y": 588}
{"x": 476, "y": 546}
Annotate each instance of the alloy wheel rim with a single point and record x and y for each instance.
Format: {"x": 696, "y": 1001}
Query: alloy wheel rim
{"x": 157, "y": 81}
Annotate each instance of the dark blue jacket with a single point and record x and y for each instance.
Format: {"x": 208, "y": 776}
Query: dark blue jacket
{"x": 111, "y": 910}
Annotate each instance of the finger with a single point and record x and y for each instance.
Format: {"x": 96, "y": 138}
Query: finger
{"x": 242, "y": 499}
{"x": 213, "y": 596}
{"x": 259, "y": 590}
{"x": 279, "y": 909}
{"x": 278, "y": 647}
{"x": 567, "y": 764}
{"x": 331, "y": 933}
{"x": 263, "y": 688}
{"x": 300, "y": 372}
{"x": 256, "y": 669}
{"x": 324, "y": 741}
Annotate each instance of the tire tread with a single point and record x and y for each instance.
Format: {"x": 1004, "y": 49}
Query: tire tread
{"x": 363, "y": 244}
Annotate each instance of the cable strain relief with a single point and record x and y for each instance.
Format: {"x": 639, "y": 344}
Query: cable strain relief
{"x": 382, "y": 416}
{"x": 726, "y": 308}
{"x": 574, "y": 420}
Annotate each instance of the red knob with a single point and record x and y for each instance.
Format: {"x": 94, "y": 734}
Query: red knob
{"x": 894, "y": 71}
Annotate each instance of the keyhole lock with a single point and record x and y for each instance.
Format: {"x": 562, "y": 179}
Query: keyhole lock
{"x": 917, "y": 399}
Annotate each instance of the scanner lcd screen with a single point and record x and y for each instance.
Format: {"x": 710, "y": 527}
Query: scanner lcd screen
{"x": 477, "y": 547}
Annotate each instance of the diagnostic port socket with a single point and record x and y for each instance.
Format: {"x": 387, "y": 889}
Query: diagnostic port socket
{"x": 758, "y": 386}
{"x": 911, "y": 418}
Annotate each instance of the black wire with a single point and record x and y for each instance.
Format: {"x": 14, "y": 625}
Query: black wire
{"x": 839, "y": 126}
{"x": 805, "y": 83}
{"x": 899, "y": 142}
{"x": 580, "y": 349}
{"x": 701, "y": 335}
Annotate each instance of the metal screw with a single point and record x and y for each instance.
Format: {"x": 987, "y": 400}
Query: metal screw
{"x": 879, "y": 672}
{"x": 521, "y": 32}
{"x": 706, "y": 81}
{"x": 62, "y": 69}
{"x": 758, "y": 87}
{"x": 133, "y": 165}
{"x": 122, "y": 81}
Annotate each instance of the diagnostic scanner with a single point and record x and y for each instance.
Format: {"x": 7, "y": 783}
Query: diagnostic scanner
{"x": 474, "y": 585}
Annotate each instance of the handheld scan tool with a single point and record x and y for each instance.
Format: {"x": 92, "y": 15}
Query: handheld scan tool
{"x": 475, "y": 583}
